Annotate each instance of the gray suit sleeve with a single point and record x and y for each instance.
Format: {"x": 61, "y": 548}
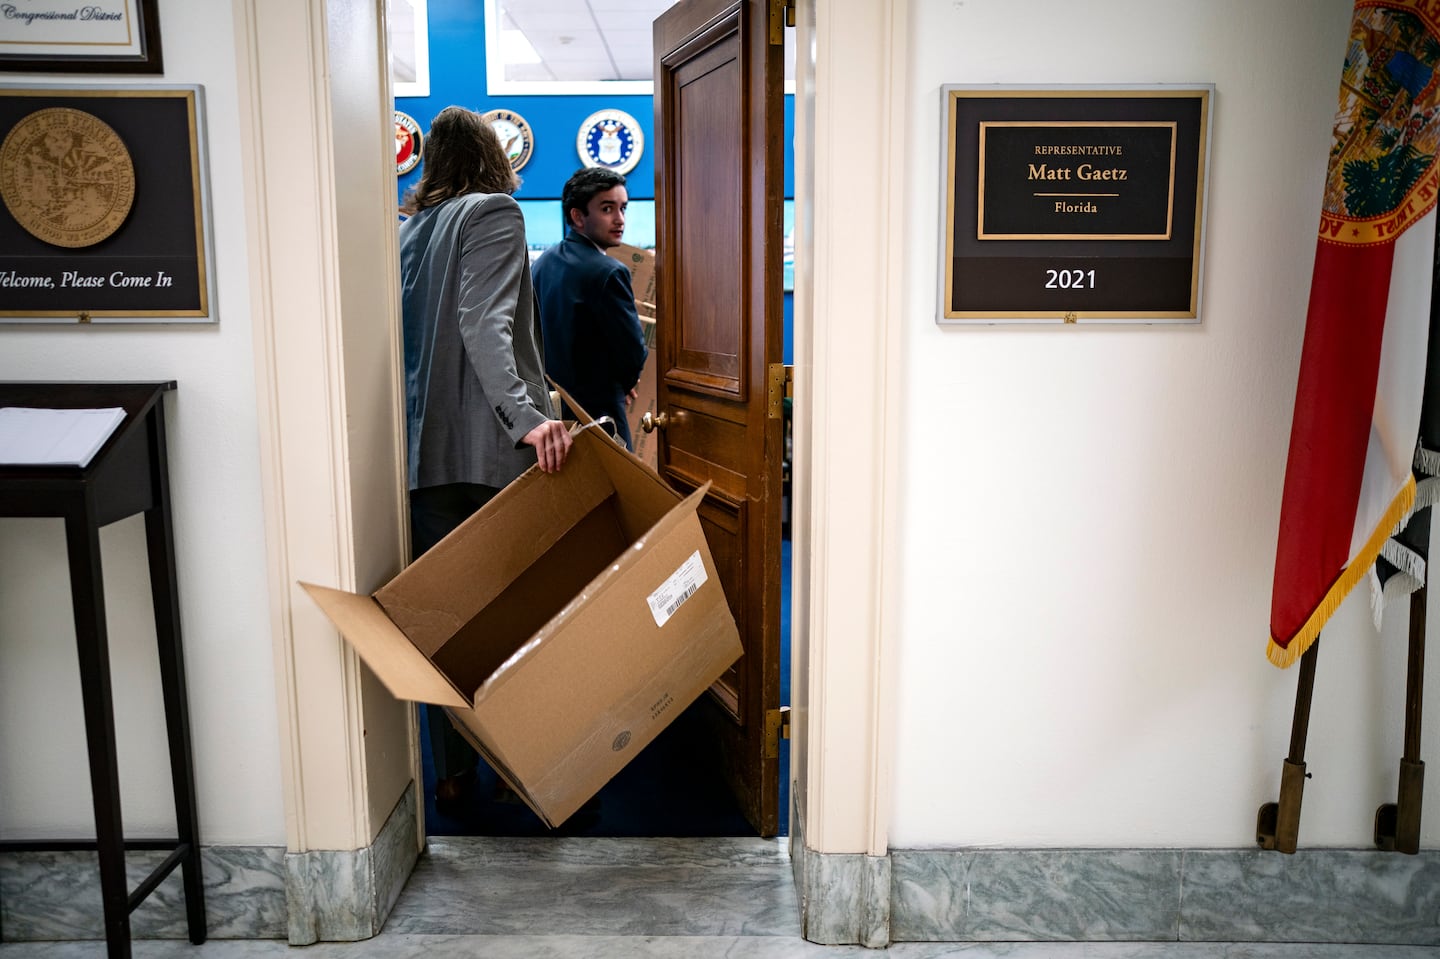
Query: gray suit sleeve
{"x": 492, "y": 259}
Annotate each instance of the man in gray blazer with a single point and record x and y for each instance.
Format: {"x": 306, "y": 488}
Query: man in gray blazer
{"x": 477, "y": 408}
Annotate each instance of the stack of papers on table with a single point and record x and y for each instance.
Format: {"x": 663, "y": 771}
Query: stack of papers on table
{"x": 33, "y": 437}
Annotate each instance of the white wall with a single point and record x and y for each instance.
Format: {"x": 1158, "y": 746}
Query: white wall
{"x": 1089, "y": 515}
{"x": 44, "y": 783}
{"x": 1088, "y": 519}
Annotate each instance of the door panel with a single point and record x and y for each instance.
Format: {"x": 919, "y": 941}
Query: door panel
{"x": 707, "y": 185}
{"x": 718, "y": 186}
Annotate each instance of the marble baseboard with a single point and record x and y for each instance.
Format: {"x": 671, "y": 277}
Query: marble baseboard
{"x": 251, "y": 892}
{"x": 346, "y": 895}
{"x": 1325, "y": 895}
{"x": 1185, "y": 895}
{"x": 845, "y": 898}
{"x": 56, "y": 895}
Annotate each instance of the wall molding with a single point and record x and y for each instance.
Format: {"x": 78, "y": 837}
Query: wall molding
{"x": 1120, "y": 895}
{"x": 320, "y": 211}
{"x": 1172, "y": 895}
{"x": 849, "y": 325}
{"x": 909, "y": 895}
{"x": 56, "y": 895}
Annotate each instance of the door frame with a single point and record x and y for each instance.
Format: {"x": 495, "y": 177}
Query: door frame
{"x": 324, "y": 296}
{"x": 849, "y": 315}
{"x": 850, "y": 269}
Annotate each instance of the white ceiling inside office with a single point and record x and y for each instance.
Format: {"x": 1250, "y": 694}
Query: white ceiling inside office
{"x": 579, "y": 40}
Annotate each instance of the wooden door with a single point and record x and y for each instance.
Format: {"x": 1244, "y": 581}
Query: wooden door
{"x": 719, "y": 183}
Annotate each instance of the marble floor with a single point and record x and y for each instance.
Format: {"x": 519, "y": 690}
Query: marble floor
{"x": 649, "y": 899}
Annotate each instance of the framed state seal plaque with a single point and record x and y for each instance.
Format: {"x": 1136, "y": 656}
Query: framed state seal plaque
{"x": 1073, "y": 205}
{"x": 103, "y": 205}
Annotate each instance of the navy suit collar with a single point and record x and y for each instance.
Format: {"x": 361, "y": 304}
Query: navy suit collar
{"x": 573, "y": 235}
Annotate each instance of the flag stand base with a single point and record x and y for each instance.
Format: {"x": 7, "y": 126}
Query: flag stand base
{"x": 1277, "y": 825}
{"x": 1397, "y": 824}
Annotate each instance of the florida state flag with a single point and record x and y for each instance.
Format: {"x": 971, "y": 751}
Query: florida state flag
{"x": 1348, "y": 481}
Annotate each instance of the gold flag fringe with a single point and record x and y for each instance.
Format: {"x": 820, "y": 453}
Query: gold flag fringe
{"x": 1350, "y": 577}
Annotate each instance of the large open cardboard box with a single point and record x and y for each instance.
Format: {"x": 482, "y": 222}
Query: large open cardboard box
{"x": 564, "y": 625}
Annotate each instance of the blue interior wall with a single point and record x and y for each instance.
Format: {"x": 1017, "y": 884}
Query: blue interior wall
{"x": 457, "y": 77}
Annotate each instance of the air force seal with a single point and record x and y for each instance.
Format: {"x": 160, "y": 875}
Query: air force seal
{"x": 516, "y": 137}
{"x": 611, "y": 139}
{"x": 408, "y": 141}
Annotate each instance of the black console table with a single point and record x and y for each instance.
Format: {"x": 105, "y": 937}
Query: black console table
{"x": 127, "y": 476}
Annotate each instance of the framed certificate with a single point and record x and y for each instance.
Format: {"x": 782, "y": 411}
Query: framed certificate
{"x": 110, "y": 36}
{"x": 1069, "y": 205}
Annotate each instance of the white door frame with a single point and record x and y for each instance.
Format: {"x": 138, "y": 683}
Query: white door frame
{"x": 323, "y": 264}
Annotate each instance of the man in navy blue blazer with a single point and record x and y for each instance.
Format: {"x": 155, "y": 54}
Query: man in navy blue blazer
{"x": 593, "y": 344}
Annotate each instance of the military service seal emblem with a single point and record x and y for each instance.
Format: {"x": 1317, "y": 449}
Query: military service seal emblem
{"x": 66, "y": 177}
{"x": 516, "y": 137}
{"x": 611, "y": 139}
{"x": 408, "y": 143}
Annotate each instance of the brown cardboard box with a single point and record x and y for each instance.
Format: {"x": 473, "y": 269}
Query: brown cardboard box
{"x": 646, "y": 444}
{"x": 641, "y": 263}
{"x": 642, "y": 275}
{"x": 564, "y": 625}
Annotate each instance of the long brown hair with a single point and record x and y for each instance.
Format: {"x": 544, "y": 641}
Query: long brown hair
{"x": 462, "y": 155}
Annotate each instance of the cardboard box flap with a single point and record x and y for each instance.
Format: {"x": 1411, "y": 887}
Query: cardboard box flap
{"x": 404, "y": 670}
{"x": 644, "y": 495}
{"x": 582, "y": 417}
{"x": 619, "y": 463}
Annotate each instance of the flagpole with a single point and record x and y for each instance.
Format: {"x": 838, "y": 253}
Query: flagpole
{"x": 1277, "y": 826}
{"x": 1397, "y": 824}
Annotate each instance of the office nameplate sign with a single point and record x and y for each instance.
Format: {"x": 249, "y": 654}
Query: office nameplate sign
{"x": 1073, "y": 205}
{"x": 1076, "y": 181}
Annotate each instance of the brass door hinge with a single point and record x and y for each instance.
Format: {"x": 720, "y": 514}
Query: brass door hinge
{"x": 777, "y": 727}
{"x": 781, "y": 378}
{"x": 782, "y": 15}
